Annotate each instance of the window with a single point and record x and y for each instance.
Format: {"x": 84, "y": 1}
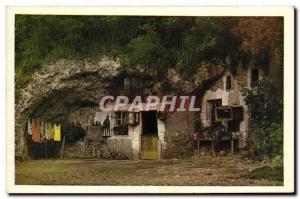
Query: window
{"x": 127, "y": 118}
{"x": 224, "y": 114}
{"x": 254, "y": 77}
{"x": 213, "y": 105}
{"x": 121, "y": 118}
{"x": 228, "y": 82}
{"x": 122, "y": 123}
{"x": 229, "y": 113}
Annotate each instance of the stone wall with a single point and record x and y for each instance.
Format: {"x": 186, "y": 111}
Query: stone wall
{"x": 178, "y": 126}
{"x": 121, "y": 145}
{"x": 94, "y": 133}
{"x": 179, "y": 121}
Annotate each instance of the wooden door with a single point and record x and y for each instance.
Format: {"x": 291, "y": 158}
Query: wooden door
{"x": 149, "y": 148}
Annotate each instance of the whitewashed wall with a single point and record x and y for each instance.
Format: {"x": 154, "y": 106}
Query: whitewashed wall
{"x": 132, "y": 141}
{"x": 229, "y": 97}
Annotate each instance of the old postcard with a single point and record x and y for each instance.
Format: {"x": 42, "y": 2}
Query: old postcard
{"x": 150, "y": 100}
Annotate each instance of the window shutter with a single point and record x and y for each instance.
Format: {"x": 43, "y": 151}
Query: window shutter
{"x": 131, "y": 118}
{"x": 136, "y": 118}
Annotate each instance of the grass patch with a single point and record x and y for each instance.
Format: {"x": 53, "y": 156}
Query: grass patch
{"x": 267, "y": 172}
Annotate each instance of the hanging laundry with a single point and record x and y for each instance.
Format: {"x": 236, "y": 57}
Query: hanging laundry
{"x": 48, "y": 131}
{"x": 35, "y": 132}
{"x": 39, "y": 127}
{"x": 57, "y": 132}
{"x": 52, "y": 131}
{"x": 97, "y": 117}
{"x": 29, "y": 127}
{"x": 106, "y": 127}
{"x": 42, "y": 131}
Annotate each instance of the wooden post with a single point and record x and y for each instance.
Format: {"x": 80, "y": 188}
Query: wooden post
{"x": 198, "y": 147}
{"x": 46, "y": 153}
{"x": 62, "y": 147}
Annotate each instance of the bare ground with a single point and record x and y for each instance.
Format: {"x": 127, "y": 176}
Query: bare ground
{"x": 206, "y": 170}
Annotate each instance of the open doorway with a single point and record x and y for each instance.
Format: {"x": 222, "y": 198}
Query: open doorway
{"x": 149, "y": 138}
{"x": 149, "y": 123}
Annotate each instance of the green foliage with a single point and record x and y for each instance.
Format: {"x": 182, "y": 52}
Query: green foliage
{"x": 153, "y": 43}
{"x": 199, "y": 38}
{"x": 44, "y": 39}
{"x": 208, "y": 39}
{"x": 266, "y": 118}
{"x": 146, "y": 50}
{"x": 217, "y": 131}
{"x": 197, "y": 124}
{"x": 266, "y": 172}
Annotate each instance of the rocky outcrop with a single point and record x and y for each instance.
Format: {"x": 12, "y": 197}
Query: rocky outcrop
{"x": 58, "y": 89}
{"x": 206, "y": 73}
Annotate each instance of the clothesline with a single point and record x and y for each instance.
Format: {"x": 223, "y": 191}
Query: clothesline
{"x": 42, "y": 131}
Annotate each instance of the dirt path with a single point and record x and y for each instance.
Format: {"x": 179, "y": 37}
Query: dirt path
{"x": 196, "y": 171}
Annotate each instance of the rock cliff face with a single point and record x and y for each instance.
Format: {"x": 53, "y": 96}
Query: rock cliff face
{"x": 58, "y": 89}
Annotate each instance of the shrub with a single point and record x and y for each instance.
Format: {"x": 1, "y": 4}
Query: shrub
{"x": 266, "y": 118}
{"x": 266, "y": 172}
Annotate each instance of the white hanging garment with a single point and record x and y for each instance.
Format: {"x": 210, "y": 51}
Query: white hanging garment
{"x": 29, "y": 127}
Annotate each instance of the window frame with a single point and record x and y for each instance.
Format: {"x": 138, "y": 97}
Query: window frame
{"x": 121, "y": 118}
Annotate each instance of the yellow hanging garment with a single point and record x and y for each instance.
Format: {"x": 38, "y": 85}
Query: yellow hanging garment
{"x": 57, "y": 133}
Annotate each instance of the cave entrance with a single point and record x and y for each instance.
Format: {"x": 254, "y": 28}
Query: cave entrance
{"x": 149, "y": 138}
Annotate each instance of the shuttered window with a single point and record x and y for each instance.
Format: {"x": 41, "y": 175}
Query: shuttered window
{"x": 121, "y": 118}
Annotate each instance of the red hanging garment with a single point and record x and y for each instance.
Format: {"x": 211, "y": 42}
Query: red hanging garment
{"x": 36, "y": 137}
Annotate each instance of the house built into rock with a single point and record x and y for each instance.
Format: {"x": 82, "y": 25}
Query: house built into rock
{"x": 142, "y": 133}
{"x": 145, "y": 133}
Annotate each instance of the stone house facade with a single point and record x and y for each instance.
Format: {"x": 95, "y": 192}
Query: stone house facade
{"x": 225, "y": 94}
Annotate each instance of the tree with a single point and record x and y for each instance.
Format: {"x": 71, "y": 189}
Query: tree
{"x": 146, "y": 50}
{"x": 259, "y": 34}
{"x": 156, "y": 43}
